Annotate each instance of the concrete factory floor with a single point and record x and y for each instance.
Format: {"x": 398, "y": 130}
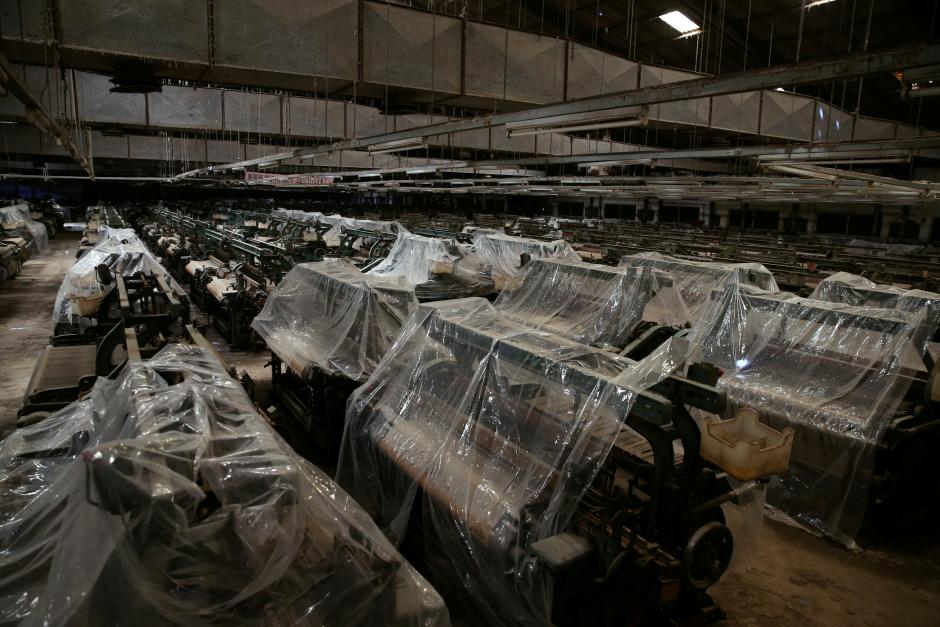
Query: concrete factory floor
{"x": 792, "y": 579}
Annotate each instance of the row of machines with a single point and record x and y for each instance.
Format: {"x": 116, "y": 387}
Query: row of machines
{"x": 524, "y": 547}
{"x": 115, "y": 303}
{"x": 900, "y": 467}
{"x": 798, "y": 263}
{"x": 587, "y": 429}
{"x": 176, "y": 500}
{"x": 232, "y": 259}
{"x": 21, "y": 238}
{"x": 847, "y": 373}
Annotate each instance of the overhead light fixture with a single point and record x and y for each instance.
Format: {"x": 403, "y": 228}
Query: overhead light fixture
{"x": 401, "y": 145}
{"x": 612, "y": 118}
{"x": 421, "y": 171}
{"x": 617, "y": 162}
{"x": 679, "y": 21}
{"x": 816, "y": 3}
{"x": 369, "y": 175}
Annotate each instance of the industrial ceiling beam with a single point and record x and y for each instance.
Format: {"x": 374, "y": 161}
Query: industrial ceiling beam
{"x": 38, "y": 116}
{"x": 850, "y": 66}
{"x": 792, "y": 151}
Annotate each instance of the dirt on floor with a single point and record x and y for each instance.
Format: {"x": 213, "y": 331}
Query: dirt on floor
{"x": 26, "y": 321}
{"x": 792, "y": 579}
{"x": 795, "y": 579}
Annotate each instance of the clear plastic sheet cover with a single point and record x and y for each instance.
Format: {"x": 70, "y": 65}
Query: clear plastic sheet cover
{"x": 20, "y": 217}
{"x": 331, "y": 316}
{"x": 163, "y": 498}
{"x": 695, "y": 280}
{"x": 312, "y": 217}
{"x": 124, "y": 254}
{"x": 502, "y": 253}
{"x": 834, "y": 372}
{"x": 590, "y": 303}
{"x": 497, "y": 430}
{"x": 416, "y": 258}
{"x": 851, "y": 289}
{"x": 439, "y": 268}
{"x": 334, "y": 236}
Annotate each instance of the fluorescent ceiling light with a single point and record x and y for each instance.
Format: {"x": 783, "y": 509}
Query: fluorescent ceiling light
{"x": 522, "y": 132}
{"x": 679, "y": 21}
{"x": 397, "y": 146}
{"x": 588, "y": 121}
{"x": 421, "y": 171}
{"x": 816, "y": 3}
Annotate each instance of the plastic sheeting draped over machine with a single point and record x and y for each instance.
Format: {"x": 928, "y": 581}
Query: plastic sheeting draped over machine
{"x": 498, "y": 433}
{"x": 123, "y": 253}
{"x": 307, "y": 216}
{"x": 591, "y": 303}
{"x": 836, "y": 373}
{"x": 435, "y": 266}
{"x": 334, "y": 236}
{"x": 18, "y": 218}
{"x": 503, "y": 254}
{"x": 330, "y": 315}
{"x": 164, "y": 498}
{"x": 851, "y": 289}
{"x": 696, "y": 280}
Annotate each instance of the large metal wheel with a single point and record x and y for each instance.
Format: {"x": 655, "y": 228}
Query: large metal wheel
{"x": 707, "y": 554}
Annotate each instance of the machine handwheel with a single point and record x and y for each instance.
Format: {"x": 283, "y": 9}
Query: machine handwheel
{"x": 707, "y": 554}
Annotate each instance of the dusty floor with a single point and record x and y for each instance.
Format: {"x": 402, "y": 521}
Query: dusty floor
{"x": 798, "y": 580}
{"x": 793, "y": 578}
{"x": 26, "y": 321}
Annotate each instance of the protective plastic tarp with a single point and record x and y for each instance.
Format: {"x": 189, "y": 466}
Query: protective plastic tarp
{"x": 590, "y": 303}
{"x": 313, "y": 217}
{"x": 163, "y": 498}
{"x": 501, "y": 429}
{"x": 433, "y": 265}
{"x": 331, "y": 316}
{"x": 503, "y": 254}
{"x": 18, "y": 220}
{"x": 123, "y": 253}
{"x": 852, "y": 289}
{"x": 334, "y": 236}
{"x": 696, "y": 280}
{"x": 835, "y": 373}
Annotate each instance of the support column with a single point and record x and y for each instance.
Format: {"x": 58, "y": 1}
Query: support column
{"x": 888, "y": 216}
{"x": 926, "y": 225}
{"x": 724, "y": 217}
{"x": 811, "y": 222}
{"x": 705, "y": 212}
